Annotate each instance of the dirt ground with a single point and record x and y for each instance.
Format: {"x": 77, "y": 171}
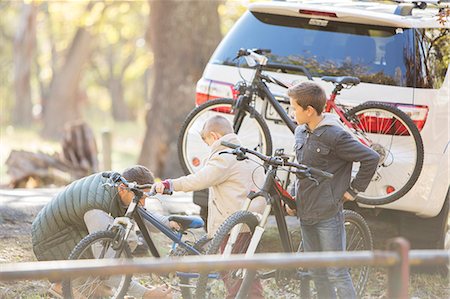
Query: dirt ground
{"x": 15, "y": 246}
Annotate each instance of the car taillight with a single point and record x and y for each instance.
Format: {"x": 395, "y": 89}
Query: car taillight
{"x": 376, "y": 123}
{"x": 211, "y": 89}
{"x": 418, "y": 113}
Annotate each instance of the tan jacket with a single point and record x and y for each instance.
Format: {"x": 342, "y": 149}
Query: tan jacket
{"x": 229, "y": 181}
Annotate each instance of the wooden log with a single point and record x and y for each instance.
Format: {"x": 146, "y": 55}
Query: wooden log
{"x": 77, "y": 159}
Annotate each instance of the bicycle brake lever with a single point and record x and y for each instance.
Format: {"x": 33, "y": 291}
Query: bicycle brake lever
{"x": 309, "y": 177}
{"x": 306, "y": 175}
{"x": 108, "y": 184}
{"x": 240, "y": 155}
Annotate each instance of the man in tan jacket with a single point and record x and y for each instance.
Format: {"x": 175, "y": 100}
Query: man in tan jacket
{"x": 229, "y": 182}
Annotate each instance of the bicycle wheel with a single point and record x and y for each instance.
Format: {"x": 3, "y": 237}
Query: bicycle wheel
{"x": 98, "y": 245}
{"x": 185, "y": 282}
{"x": 395, "y": 137}
{"x": 192, "y": 151}
{"x": 218, "y": 285}
{"x": 358, "y": 237}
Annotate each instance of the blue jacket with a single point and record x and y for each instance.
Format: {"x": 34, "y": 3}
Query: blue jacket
{"x": 330, "y": 148}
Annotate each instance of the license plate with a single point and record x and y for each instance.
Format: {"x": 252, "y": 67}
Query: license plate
{"x": 272, "y": 114}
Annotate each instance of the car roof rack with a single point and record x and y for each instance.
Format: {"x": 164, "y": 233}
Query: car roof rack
{"x": 405, "y": 7}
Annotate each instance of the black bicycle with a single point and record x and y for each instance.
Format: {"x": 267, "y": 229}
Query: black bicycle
{"x": 381, "y": 126}
{"x": 278, "y": 283}
{"x": 113, "y": 243}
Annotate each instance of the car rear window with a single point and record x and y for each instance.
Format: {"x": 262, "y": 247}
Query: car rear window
{"x": 375, "y": 54}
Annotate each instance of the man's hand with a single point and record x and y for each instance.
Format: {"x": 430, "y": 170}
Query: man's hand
{"x": 290, "y": 212}
{"x": 348, "y": 197}
{"x": 174, "y": 225}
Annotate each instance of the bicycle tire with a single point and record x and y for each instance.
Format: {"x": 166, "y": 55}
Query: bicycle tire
{"x": 200, "y": 245}
{"x": 190, "y": 132}
{"x": 398, "y": 143}
{"x": 353, "y": 219}
{"x": 240, "y": 217}
{"x": 79, "y": 252}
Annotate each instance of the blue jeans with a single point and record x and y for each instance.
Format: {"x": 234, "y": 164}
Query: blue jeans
{"x": 329, "y": 235}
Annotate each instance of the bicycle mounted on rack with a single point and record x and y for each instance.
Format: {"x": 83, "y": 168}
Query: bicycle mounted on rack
{"x": 383, "y": 127}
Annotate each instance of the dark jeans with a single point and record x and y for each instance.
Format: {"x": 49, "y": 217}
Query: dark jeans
{"x": 232, "y": 284}
{"x": 329, "y": 235}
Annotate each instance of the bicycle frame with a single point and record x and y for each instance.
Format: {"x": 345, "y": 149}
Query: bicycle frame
{"x": 273, "y": 203}
{"x": 264, "y": 91}
{"x": 137, "y": 213}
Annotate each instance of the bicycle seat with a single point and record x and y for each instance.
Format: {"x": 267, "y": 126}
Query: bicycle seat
{"x": 188, "y": 221}
{"x": 342, "y": 80}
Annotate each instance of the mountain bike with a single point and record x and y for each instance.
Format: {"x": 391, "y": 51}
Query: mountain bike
{"x": 113, "y": 243}
{"x": 282, "y": 283}
{"x": 381, "y": 126}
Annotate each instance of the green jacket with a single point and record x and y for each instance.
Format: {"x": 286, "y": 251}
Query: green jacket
{"x": 59, "y": 226}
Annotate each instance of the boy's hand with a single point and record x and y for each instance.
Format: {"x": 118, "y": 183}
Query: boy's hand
{"x": 161, "y": 186}
{"x": 348, "y": 197}
{"x": 290, "y": 212}
{"x": 174, "y": 225}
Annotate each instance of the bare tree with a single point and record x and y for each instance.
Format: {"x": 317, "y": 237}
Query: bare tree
{"x": 62, "y": 103}
{"x": 183, "y": 35}
{"x": 24, "y": 45}
{"x": 113, "y": 80}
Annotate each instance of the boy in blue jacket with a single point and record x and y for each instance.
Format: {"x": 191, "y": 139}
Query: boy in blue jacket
{"x": 322, "y": 142}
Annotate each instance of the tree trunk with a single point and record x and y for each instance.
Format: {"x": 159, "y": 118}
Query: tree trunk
{"x": 62, "y": 105}
{"x": 183, "y": 35}
{"x": 120, "y": 110}
{"x": 24, "y": 44}
{"x": 63, "y": 102}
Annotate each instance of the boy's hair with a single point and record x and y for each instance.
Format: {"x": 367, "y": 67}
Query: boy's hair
{"x": 139, "y": 174}
{"x": 308, "y": 94}
{"x": 218, "y": 124}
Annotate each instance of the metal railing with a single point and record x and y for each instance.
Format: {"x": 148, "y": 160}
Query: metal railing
{"x": 397, "y": 258}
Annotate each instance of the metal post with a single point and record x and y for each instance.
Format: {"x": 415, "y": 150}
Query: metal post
{"x": 398, "y": 275}
{"x": 107, "y": 149}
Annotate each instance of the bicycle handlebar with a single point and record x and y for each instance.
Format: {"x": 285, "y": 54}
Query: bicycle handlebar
{"x": 116, "y": 177}
{"x": 278, "y": 161}
{"x": 258, "y": 55}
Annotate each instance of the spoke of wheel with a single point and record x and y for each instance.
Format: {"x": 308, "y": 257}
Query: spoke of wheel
{"x": 352, "y": 236}
{"x": 89, "y": 286}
